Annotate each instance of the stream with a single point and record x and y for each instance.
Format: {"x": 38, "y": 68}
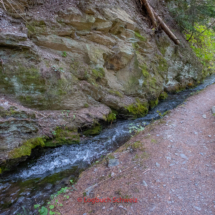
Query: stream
{"x": 34, "y": 181}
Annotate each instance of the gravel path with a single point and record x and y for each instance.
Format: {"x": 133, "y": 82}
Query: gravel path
{"x": 171, "y": 169}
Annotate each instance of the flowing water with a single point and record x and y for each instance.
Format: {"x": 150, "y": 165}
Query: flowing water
{"x": 50, "y": 169}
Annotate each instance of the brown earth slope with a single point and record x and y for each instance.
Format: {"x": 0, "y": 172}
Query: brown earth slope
{"x": 169, "y": 168}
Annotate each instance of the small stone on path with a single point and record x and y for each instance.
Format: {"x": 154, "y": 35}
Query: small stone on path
{"x": 204, "y": 116}
{"x": 197, "y": 208}
{"x": 113, "y": 162}
{"x": 213, "y": 110}
{"x": 145, "y": 184}
{"x": 112, "y": 174}
{"x": 184, "y": 156}
{"x": 122, "y": 207}
{"x": 157, "y": 164}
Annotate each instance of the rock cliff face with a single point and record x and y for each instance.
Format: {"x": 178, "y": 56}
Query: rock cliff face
{"x": 78, "y": 65}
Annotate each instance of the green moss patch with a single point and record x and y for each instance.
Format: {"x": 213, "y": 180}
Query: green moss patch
{"x": 111, "y": 117}
{"x": 144, "y": 71}
{"x": 63, "y": 136}
{"x": 11, "y": 112}
{"x": 25, "y": 149}
{"x": 162, "y": 64}
{"x": 139, "y": 109}
{"x": 98, "y": 73}
{"x": 93, "y": 131}
{"x": 153, "y": 103}
{"x": 163, "y": 96}
{"x": 139, "y": 36}
{"x": 115, "y": 92}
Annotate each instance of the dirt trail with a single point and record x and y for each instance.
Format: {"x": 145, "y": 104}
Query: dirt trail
{"x": 172, "y": 168}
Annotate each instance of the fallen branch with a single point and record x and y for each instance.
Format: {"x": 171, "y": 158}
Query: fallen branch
{"x": 153, "y": 15}
{"x": 150, "y": 12}
{"x": 167, "y": 30}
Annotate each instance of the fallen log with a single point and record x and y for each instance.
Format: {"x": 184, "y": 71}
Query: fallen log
{"x": 150, "y": 12}
{"x": 154, "y": 18}
{"x": 167, "y": 30}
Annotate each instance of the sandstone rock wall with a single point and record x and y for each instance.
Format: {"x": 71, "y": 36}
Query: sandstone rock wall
{"x": 75, "y": 65}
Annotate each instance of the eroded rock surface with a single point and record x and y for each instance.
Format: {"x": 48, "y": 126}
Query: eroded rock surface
{"x": 72, "y": 67}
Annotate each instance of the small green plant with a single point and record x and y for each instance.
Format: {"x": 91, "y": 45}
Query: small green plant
{"x": 36, "y": 206}
{"x": 84, "y": 194}
{"x": 54, "y": 133}
{"x": 64, "y": 54}
{"x": 43, "y": 211}
{"x": 62, "y": 190}
{"x": 86, "y": 105}
{"x": 51, "y": 207}
{"x": 111, "y": 117}
{"x": 71, "y": 181}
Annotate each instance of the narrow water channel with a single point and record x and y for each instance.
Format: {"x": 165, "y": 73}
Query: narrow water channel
{"x": 50, "y": 169}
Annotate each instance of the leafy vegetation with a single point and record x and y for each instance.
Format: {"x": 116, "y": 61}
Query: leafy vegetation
{"x": 196, "y": 20}
{"x": 111, "y": 117}
{"x": 64, "y": 54}
{"x": 190, "y": 14}
{"x": 204, "y": 46}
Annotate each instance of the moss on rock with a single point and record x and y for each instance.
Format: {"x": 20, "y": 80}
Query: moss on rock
{"x": 63, "y": 136}
{"x": 153, "y": 103}
{"x": 144, "y": 71}
{"x": 98, "y": 73}
{"x": 163, "y": 96}
{"x": 26, "y": 148}
{"x": 139, "y": 109}
{"x": 115, "y": 92}
{"x": 162, "y": 64}
{"x": 139, "y": 36}
{"x": 12, "y": 112}
{"x": 93, "y": 131}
